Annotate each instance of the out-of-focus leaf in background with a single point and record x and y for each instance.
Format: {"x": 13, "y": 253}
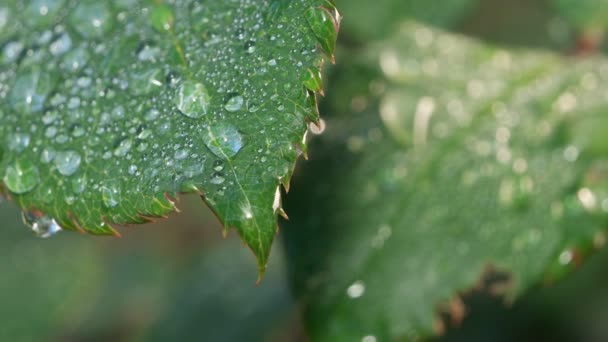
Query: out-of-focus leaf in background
{"x": 584, "y": 14}
{"x": 374, "y": 19}
{"x": 179, "y": 281}
{"x": 459, "y": 158}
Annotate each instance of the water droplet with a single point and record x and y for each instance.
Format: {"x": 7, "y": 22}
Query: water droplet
{"x": 18, "y": 142}
{"x": 61, "y": 45}
{"x": 43, "y": 226}
{"x": 67, "y": 162}
{"x": 110, "y": 194}
{"x": 224, "y": 140}
{"x": 12, "y": 51}
{"x": 587, "y": 198}
{"x": 317, "y": 129}
{"x": 218, "y": 165}
{"x": 79, "y": 184}
{"x": 250, "y": 46}
{"x": 21, "y": 177}
{"x": 47, "y": 155}
{"x": 192, "y": 99}
{"x": 147, "y": 81}
{"x": 30, "y": 91}
{"x": 566, "y": 257}
{"x": 123, "y": 147}
{"x": 571, "y": 153}
{"x": 217, "y": 178}
{"x": 92, "y": 18}
{"x": 235, "y": 103}
{"x": 356, "y": 290}
{"x": 75, "y": 59}
{"x": 39, "y": 13}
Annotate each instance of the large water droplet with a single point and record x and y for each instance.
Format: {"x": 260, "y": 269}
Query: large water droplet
{"x": 42, "y": 12}
{"x": 43, "y": 226}
{"x": 67, "y": 162}
{"x": 21, "y": 177}
{"x": 61, "y": 45}
{"x": 18, "y": 142}
{"x": 92, "y": 18}
{"x": 224, "y": 140}
{"x": 30, "y": 91}
{"x": 192, "y": 99}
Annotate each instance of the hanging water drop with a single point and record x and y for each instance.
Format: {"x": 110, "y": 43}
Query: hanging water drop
{"x": 42, "y": 226}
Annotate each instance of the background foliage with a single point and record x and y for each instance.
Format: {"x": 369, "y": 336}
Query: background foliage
{"x": 178, "y": 279}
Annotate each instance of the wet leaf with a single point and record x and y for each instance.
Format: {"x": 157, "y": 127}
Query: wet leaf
{"x": 456, "y": 158}
{"x": 110, "y": 108}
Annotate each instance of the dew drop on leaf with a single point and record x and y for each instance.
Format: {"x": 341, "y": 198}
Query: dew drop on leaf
{"x": 92, "y": 18}
{"x": 224, "y": 140}
{"x": 217, "y": 178}
{"x": 123, "y": 147}
{"x": 110, "y": 195}
{"x": 235, "y": 103}
{"x": 250, "y": 46}
{"x": 67, "y": 162}
{"x": 192, "y": 99}
{"x": 21, "y": 177}
{"x": 18, "y": 142}
{"x": 30, "y": 91}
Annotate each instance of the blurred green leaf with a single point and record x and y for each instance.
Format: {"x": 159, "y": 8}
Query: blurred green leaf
{"x": 375, "y": 19}
{"x": 41, "y": 280}
{"x": 584, "y": 14}
{"x": 110, "y": 108}
{"x": 458, "y": 158}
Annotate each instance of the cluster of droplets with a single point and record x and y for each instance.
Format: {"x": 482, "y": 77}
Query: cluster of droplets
{"x": 103, "y": 97}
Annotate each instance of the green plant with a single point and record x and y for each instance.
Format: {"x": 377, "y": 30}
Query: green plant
{"x": 445, "y": 159}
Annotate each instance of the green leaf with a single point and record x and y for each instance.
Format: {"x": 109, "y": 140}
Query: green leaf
{"x": 457, "y": 158}
{"x": 110, "y": 108}
{"x": 376, "y": 19}
{"x": 584, "y": 14}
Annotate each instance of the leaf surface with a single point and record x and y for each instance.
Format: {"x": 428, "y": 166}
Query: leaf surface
{"x": 110, "y": 108}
